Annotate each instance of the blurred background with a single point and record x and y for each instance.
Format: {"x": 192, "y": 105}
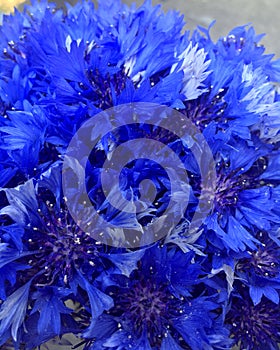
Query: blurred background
{"x": 264, "y": 15}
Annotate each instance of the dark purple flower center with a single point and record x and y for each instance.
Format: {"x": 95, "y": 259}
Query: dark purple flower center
{"x": 201, "y": 112}
{"x": 254, "y": 326}
{"x": 225, "y": 192}
{"x": 234, "y": 42}
{"x": 103, "y": 86}
{"x": 146, "y": 307}
{"x": 265, "y": 261}
{"x": 63, "y": 246}
{"x": 229, "y": 186}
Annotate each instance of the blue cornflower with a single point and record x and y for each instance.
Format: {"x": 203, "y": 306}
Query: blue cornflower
{"x": 24, "y": 135}
{"x": 242, "y": 200}
{"x": 41, "y": 239}
{"x": 260, "y": 270}
{"x": 254, "y": 326}
{"x": 198, "y": 288}
{"x": 155, "y": 307}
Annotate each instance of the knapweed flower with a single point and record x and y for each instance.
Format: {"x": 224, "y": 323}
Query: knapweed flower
{"x": 207, "y": 284}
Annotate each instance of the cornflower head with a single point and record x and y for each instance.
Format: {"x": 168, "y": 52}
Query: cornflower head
{"x": 200, "y": 173}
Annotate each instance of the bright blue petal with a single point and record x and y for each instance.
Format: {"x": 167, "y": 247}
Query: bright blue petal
{"x": 169, "y": 343}
{"x": 13, "y": 310}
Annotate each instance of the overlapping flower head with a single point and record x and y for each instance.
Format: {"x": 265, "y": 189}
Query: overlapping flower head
{"x": 205, "y": 287}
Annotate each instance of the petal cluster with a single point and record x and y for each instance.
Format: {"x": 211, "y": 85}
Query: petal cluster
{"x": 203, "y": 287}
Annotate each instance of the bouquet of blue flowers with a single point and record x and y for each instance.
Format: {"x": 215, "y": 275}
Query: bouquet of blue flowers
{"x": 139, "y": 181}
